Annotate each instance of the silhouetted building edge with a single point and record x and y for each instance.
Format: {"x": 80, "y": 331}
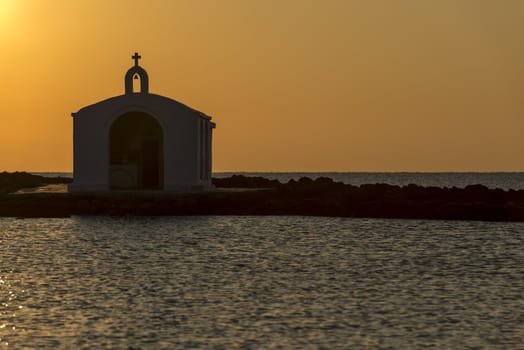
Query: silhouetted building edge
{"x": 141, "y": 141}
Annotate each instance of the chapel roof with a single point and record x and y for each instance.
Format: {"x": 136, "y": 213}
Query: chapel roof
{"x": 139, "y": 100}
{"x": 143, "y": 98}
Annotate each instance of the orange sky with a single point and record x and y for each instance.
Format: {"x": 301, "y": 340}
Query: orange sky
{"x": 293, "y": 85}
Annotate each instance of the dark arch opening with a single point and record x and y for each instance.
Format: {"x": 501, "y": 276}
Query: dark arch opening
{"x": 137, "y": 81}
{"x": 136, "y": 159}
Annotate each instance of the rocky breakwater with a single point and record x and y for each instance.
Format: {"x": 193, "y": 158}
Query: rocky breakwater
{"x": 325, "y": 197}
{"x": 241, "y": 195}
{"x": 12, "y": 182}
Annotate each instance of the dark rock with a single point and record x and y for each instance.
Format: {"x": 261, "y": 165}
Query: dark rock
{"x": 321, "y": 197}
{"x": 241, "y": 181}
{"x": 12, "y": 182}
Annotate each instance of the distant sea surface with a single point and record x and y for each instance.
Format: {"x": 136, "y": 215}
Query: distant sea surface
{"x": 504, "y": 180}
{"x": 259, "y": 283}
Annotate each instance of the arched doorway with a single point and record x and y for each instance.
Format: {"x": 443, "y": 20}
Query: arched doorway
{"x": 136, "y": 159}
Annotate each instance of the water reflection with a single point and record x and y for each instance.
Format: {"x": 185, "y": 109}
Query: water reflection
{"x": 260, "y": 282}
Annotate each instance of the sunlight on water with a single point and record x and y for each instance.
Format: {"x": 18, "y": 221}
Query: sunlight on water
{"x": 260, "y": 282}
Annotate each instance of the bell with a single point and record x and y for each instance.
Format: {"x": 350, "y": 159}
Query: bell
{"x": 136, "y": 76}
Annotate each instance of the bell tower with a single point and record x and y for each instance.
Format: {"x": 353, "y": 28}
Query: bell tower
{"x": 136, "y": 72}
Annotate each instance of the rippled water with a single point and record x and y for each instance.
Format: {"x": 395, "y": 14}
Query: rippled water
{"x": 260, "y": 282}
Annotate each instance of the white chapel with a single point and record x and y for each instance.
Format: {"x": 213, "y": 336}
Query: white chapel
{"x": 141, "y": 141}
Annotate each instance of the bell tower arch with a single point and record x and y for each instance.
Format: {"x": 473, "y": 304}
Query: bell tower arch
{"x": 137, "y": 72}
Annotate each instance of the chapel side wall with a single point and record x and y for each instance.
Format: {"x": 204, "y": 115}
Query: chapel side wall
{"x": 205, "y": 128}
{"x": 209, "y": 154}
{"x": 90, "y": 155}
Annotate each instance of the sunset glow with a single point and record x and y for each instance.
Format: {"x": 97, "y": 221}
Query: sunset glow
{"x": 293, "y": 85}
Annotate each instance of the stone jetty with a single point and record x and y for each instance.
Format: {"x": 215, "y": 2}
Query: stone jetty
{"x": 241, "y": 195}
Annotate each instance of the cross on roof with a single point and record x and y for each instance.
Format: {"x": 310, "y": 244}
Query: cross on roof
{"x": 136, "y": 57}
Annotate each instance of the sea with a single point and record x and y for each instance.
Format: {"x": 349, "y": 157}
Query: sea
{"x": 266, "y": 282}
